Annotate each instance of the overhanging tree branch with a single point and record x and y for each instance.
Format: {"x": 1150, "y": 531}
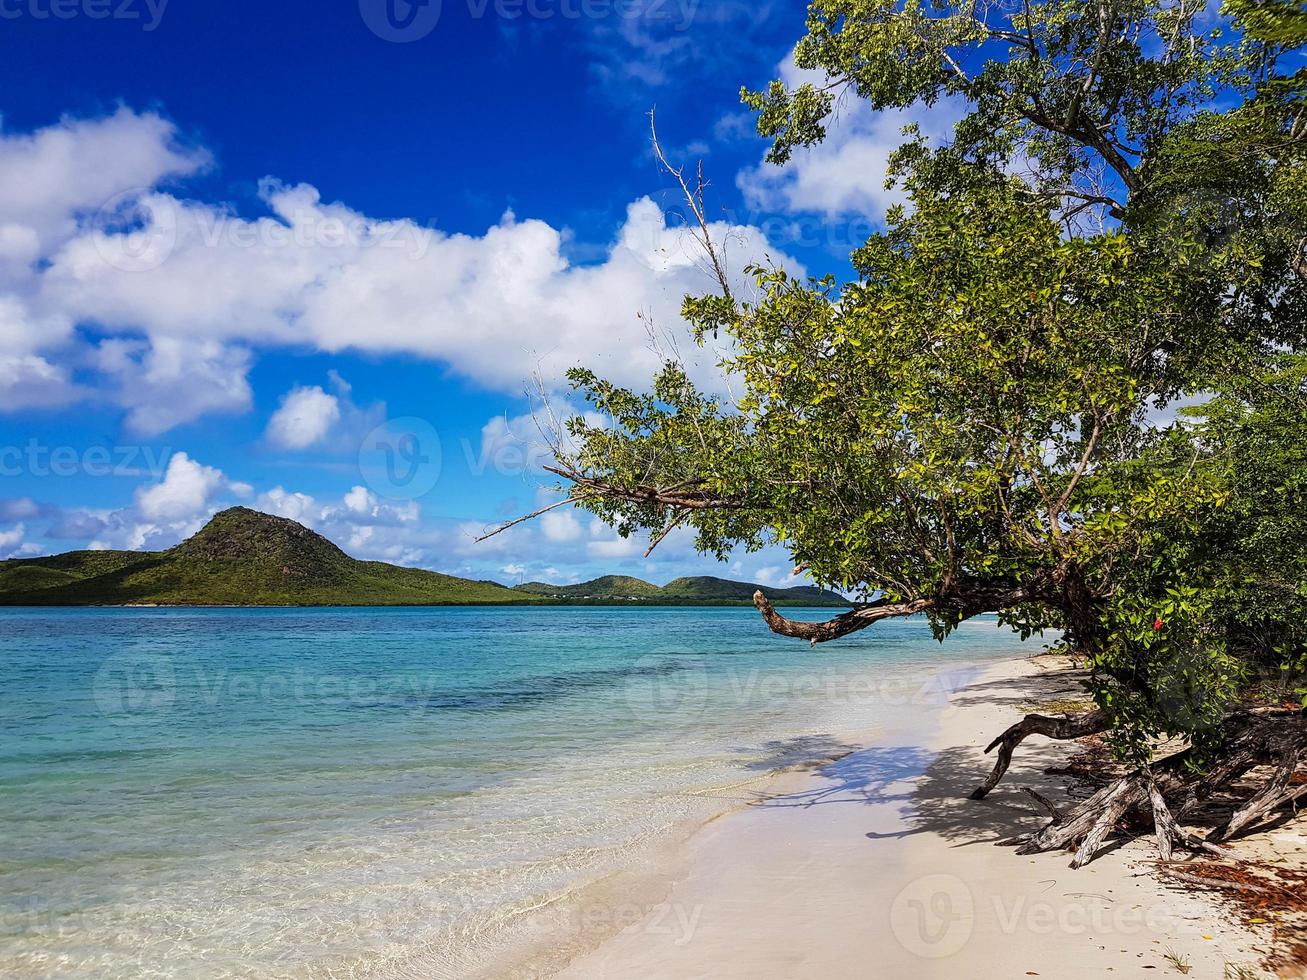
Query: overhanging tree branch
{"x": 688, "y": 494}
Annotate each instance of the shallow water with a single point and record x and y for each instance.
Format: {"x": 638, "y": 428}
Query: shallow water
{"x": 366, "y": 792}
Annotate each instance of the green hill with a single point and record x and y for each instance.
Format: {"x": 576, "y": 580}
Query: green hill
{"x": 708, "y": 587}
{"x": 241, "y": 557}
{"x": 703, "y": 589}
{"x": 604, "y": 587}
{"x": 245, "y": 558}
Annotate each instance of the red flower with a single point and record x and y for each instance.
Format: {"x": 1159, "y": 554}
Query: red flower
{"x": 1157, "y": 624}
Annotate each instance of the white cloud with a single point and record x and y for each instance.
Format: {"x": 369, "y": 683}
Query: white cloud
{"x": 50, "y": 176}
{"x": 560, "y": 526}
{"x": 525, "y": 443}
{"x": 305, "y": 417}
{"x": 362, "y": 506}
{"x": 844, "y": 174}
{"x": 11, "y": 541}
{"x": 186, "y": 290}
{"x": 607, "y": 545}
{"x": 20, "y": 508}
{"x": 51, "y": 182}
{"x": 169, "y": 381}
{"x": 163, "y": 512}
{"x": 295, "y": 506}
{"x": 778, "y": 576}
{"x": 360, "y": 500}
{"x": 28, "y": 380}
{"x": 184, "y": 492}
{"x": 33, "y": 382}
{"x": 497, "y": 307}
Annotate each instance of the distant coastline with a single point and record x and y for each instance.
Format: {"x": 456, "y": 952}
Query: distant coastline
{"x": 246, "y": 559}
{"x": 6, "y": 602}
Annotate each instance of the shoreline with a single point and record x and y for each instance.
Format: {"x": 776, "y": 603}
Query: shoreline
{"x": 876, "y": 864}
{"x": 546, "y": 940}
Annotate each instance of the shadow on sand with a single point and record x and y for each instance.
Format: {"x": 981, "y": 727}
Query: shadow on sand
{"x": 932, "y": 788}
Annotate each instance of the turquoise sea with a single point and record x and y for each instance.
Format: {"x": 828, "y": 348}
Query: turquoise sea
{"x": 368, "y": 792}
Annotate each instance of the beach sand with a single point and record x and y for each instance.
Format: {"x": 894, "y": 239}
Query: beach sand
{"x": 877, "y": 865}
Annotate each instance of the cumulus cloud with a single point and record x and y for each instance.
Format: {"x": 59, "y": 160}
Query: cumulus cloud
{"x": 560, "y": 526}
{"x": 28, "y": 380}
{"x": 93, "y": 234}
{"x": 305, "y": 417}
{"x": 496, "y": 308}
{"x": 295, "y": 506}
{"x": 323, "y": 419}
{"x": 33, "y": 382}
{"x": 53, "y": 182}
{"x": 22, "y": 508}
{"x": 845, "y": 174}
{"x": 167, "y": 382}
{"x": 185, "y": 490}
{"x": 354, "y": 521}
{"x": 51, "y": 176}
{"x": 11, "y": 541}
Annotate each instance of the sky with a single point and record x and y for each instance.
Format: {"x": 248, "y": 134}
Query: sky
{"x": 324, "y": 259}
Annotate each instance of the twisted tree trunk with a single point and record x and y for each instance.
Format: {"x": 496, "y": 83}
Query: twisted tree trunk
{"x": 1167, "y": 790}
{"x": 1070, "y": 726}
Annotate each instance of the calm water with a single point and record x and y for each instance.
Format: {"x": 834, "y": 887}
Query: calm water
{"x": 210, "y": 793}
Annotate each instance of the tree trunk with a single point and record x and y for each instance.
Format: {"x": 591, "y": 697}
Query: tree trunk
{"x": 1070, "y": 726}
{"x": 1168, "y": 789}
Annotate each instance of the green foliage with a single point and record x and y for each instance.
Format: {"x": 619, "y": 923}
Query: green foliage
{"x": 1119, "y": 225}
{"x": 1281, "y": 22}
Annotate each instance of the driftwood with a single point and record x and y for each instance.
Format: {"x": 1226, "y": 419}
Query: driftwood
{"x": 1168, "y": 789}
{"x": 1072, "y": 726}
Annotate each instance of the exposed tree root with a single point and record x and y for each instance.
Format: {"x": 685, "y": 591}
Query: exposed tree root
{"x": 1277, "y": 793}
{"x": 1165, "y": 791}
{"x": 1071, "y": 726}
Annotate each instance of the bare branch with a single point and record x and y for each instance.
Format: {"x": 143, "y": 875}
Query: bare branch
{"x": 522, "y": 520}
{"x": 675, "y": 523}
{"x": 694, "y": 198}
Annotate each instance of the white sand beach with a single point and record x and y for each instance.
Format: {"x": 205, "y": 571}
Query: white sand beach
{"x": 877, "y": 865}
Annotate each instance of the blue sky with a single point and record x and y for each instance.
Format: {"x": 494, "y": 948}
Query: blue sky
{"x": 248, "y": 249}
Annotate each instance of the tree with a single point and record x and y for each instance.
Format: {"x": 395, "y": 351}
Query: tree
{"x": 1118, "y": 225}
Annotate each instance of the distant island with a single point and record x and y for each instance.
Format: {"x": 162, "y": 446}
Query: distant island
{"x": 246, "y": 558}
{"x": 704, "y": 589}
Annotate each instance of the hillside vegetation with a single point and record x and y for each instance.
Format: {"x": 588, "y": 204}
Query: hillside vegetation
{"x": 692, "y": 589}
{"x": 242, "y": 557}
